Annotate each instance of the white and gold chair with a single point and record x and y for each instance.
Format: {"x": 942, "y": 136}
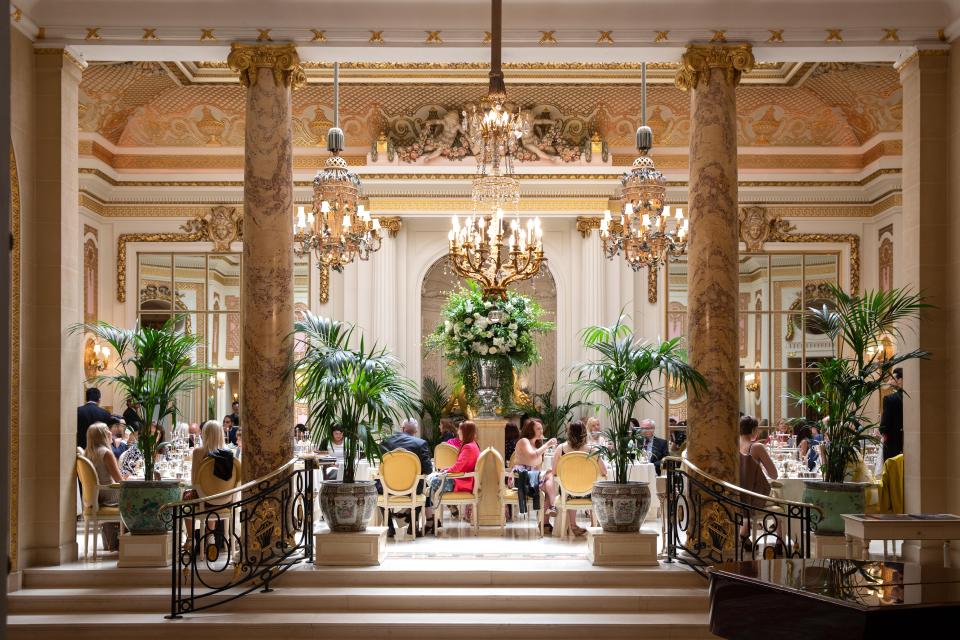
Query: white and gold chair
{"x": 208, "y": 484}
{"x": 400, "y": 476}
{"x": 445, "y": 456}
{"x": 467, "y": 498}
{"x": 576, "y": 473}
{"x": 94, "y": 515}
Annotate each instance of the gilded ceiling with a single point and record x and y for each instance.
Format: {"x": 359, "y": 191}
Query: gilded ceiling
{"x": 145, "y": 104}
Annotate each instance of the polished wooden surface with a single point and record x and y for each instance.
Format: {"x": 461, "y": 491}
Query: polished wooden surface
{"x": 812, "y": 599}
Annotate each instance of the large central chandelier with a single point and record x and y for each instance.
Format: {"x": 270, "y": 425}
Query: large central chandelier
{"x": 492, "y": 246}
{"x": 337, "y": 229}
{"x": 646, "y": 233}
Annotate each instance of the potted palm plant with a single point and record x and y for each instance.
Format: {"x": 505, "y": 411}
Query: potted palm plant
{"x": 623, "y": 376}
{"x": 553, "y": 416}
{"x": 857, "y": 325}
{"x": 433, "y": 400}
{"x": 357, "y": 390}
{"x": 153, "y": 367}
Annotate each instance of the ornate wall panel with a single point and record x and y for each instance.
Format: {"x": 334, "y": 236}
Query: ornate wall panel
{"x": 15, "y": 212}
{"x": 885, "y": 258}
{"x": 91, "y": 274}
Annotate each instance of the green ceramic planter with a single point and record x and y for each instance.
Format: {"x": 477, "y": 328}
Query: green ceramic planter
{"x": 834, "y": 499}
{"x": 140, "y": 504}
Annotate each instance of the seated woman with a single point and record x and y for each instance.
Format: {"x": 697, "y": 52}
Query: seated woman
{"x": 576, "y": 441}
{"x": 448, "y": 432}
{"x": 755, "y": 462}
{"x": 528, "y": 459}
{"x": 466, "y": 463}
{"x": 807, "y": 448}
{"x": 98, "y": 452}
{"x": 108, "y": 470}
{"x": 595, "y": 437}
{"x": 214, "y": 446}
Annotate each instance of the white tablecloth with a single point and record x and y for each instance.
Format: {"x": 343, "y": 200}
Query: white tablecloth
{"x": 362, "y": 472}
{"x": 641, "y": 472}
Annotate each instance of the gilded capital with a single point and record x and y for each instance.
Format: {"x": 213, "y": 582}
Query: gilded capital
{"x": 281, "y": 58}
{"x": 699, "y": 59}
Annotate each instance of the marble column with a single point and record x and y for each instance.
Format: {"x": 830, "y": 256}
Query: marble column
{"x": 711, "y": 73}
{"x": 266, "y": 391}
{"x": 929, "y": 243}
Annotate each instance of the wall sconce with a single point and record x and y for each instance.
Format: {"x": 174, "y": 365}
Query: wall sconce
{"x": 219, "y": 380}
{"x": 751, "y": 382}
{"x": 883, "y": 349}
{"x": 96, "y": 357}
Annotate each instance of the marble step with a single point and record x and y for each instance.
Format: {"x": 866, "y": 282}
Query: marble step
{"x": 361, "y": 626}
{"x": 380, "y": 599}
{"x": 395, "y": 573}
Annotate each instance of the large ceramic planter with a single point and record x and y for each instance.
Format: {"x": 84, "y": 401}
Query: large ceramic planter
{"x": 621, "y": 508}
{"x": 140, "y": 503}
{"x": 347, "y": 508}
{"x": 834, "y": 499}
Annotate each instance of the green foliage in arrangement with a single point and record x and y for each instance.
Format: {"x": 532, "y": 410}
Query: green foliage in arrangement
{"x": 467, "y": 336}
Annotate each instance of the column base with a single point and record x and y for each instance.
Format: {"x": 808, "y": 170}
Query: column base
{"x": 144, "y": 551}
{"x": 365, "y": 549}
{"x": 835, "y": 547}
{"x": 606, "y": 549}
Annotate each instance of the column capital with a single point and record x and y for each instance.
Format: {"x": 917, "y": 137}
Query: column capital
{"x": 735, "y": 59}
{"x": 66, "y": 54}
{"x": 281, "y": 58}
{"x": 918, "y": 52}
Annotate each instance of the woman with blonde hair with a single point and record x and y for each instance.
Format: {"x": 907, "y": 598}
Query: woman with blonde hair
{"x": 212, "y": 440}
{"x": 98, "y": 452}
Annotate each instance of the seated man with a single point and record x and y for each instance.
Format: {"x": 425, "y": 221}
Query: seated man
{"x": 656, "y": 448}
{"x": 407, "y": 438}
{"x": 120, "y": 441}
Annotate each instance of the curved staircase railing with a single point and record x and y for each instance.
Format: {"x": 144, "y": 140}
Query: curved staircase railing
{"x": 707, "y": 518}
{"x": 227, "y": 545}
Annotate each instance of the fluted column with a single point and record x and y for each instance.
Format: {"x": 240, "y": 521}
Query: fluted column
{"x": 711, "y": 73}
{"x": 266, "y": 392}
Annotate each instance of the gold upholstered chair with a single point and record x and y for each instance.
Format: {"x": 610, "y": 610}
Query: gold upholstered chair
{"x": 445, "y": 456}
{"x": 465, "y": 498}
{"x": 94, "y": 515}
{"x": 509, "y": 496}
{"x": 400, "y": 478}
{"x": 576, "y": 473}
{"x": 208, "y": 484}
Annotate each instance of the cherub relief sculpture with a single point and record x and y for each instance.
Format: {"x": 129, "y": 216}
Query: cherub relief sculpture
{"x": 434, "y": 132}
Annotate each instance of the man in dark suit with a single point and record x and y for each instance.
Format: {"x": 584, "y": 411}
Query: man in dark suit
{"x": 408, "y": 439}
{"x": 130, "y": 415}
{"x": 235, "y": 415}
{"x": 89, "y": 413}
{"x": 657, "y": 448}
{"x": 891, "y": 419}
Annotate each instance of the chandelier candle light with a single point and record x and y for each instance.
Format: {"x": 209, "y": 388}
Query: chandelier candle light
{"x": 492, "y": 246}
{"x": 337, "y": 229}
{"x": 646, "y": 233}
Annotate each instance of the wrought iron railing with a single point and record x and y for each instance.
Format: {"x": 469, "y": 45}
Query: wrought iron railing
{"x": 710, "y": 521}
{"x": 229, "y": 544}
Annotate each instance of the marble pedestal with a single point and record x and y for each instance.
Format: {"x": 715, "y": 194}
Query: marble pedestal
{"x": 144, "y": 551}
{"x": 621, "y": 549}
{"x": 365, "y": 549}
{"x": 835, "y": 547}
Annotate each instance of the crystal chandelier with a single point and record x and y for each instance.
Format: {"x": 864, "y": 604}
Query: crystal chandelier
{"x": 492, "y": 246}
{"x": 337, "y": 229}
{"x": 646, "y": 234}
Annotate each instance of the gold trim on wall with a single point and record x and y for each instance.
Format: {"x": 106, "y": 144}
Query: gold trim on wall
{"x": 125, "y": 238}
{"x": 14, "y": 361}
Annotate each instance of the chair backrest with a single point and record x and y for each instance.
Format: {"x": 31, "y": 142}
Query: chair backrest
{"x": 89, "y": 483}
{"x": 208, "y": 484}
{"x": 399, "y": 470}
{"x": 488, "y": 457}
{"x": 576, "y": 472}
{"x": 445, "y": 455}
{"x": 497, "y": 459}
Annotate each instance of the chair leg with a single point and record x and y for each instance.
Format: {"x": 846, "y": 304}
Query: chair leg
{"x": 86, "y": 538}
{"x": 96, "y": 534}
